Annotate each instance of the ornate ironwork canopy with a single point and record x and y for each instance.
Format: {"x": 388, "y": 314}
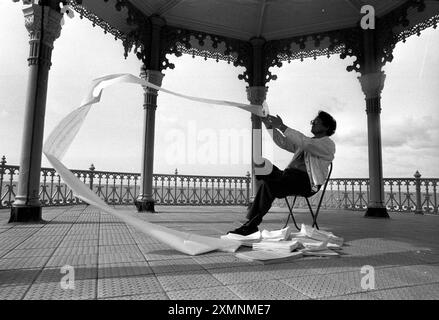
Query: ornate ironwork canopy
{"x": 259, "y": 34}
{"x": 284, "y": 29}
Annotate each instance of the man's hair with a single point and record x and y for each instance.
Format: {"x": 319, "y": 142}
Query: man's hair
{"x": 328, "y": 121}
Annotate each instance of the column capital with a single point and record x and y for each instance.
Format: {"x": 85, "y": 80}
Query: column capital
{"x": 44, "y": 26}
{"x": 153, "y": 76}
{"x": 256, "y": 94}
{"x": 257, "y": 42}
{"x": 372, "y": 84}
{"x": 157, "y": 21}
{"x": 35, "y": 21}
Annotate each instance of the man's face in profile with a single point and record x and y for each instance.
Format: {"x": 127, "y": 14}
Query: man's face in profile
{"x": 317, "y": 127}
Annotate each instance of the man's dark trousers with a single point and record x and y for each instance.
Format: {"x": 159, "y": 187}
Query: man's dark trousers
{"x": 278, "y": 184}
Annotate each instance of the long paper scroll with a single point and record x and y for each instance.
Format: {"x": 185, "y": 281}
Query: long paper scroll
{"x": 64, "y": 133}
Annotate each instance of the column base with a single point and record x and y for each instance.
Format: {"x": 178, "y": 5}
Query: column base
{"x": 26, "y": 214}
{"x": 145, "y": 206}
{"x": 376, "y": 213}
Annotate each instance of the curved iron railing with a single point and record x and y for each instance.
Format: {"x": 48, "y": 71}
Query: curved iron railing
{"x": 122, "y": 188}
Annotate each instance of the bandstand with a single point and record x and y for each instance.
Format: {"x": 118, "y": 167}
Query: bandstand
{"x": 253, "y": 34}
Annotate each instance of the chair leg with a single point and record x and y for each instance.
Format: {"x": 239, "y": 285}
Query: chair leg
{"x": 291, "y": 213}
{"x": 317, "y": 211}
{"x": 314, "y": 217}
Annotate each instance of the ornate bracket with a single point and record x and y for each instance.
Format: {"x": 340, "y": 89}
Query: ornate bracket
{"x": 385, "y": 38}
{"x": 346, "y": 42}
{"x": 178, "y": 41}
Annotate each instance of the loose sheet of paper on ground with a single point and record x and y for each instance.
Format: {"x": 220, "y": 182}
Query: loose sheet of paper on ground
{"x": 281, "y": 244}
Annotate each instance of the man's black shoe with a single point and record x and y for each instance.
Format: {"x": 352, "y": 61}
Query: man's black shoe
{"x": 245, "y": 230}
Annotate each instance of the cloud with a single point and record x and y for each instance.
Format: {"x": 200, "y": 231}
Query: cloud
{"x": 408, "y": 133}
{"x": 353, "y": 138}
{"x": 4, "y": 114}
{"x": 415, "y": 133}
{"x": 333, "y": 104}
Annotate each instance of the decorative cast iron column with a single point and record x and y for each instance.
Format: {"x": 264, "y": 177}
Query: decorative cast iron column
{"x": 256, "y": 95}
{"x": 145, "y": 201}
{"x": 372, "y": 85}
{"x": 43, "y": 25}
{"x": 151, "y": 57}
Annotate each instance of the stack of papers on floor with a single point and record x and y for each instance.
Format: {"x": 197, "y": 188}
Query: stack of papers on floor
{"x": 276, "y": 235}
{"x": 311, "y": 244}
{"x": 267, "y": 255}
{"x": 245, "y": 240}
{"x": 278, "y": 246}
{"x": 313, "y": 233}
{"x": 281, "y": 244}
{"x": 319, "y": 253}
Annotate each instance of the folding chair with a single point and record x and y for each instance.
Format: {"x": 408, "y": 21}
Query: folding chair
{"x": 314, "y": 216}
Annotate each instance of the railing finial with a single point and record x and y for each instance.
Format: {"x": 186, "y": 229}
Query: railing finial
{"x": 418, "y": 193}
{"x": 3, "y": 162}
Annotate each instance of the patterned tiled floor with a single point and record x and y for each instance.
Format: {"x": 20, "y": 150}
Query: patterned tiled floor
{"x": 111, "y": 260}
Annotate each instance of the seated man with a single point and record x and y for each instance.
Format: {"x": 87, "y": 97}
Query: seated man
{"x": 304, "y": 175}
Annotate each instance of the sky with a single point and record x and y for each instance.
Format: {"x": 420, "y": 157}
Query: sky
{"x": 203, "y": 139}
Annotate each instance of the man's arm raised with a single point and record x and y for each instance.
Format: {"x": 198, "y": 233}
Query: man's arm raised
{"x": 277, "y": 136}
